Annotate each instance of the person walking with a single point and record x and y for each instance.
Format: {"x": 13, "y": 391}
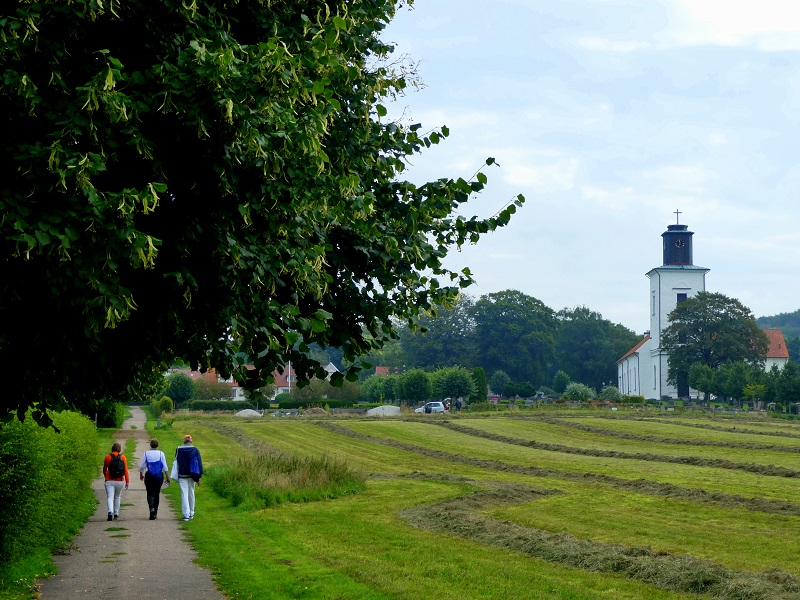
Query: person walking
{"x": 189, "y": 471}
{"x": 115, "y": 471}
{"x": 153, "y": 470}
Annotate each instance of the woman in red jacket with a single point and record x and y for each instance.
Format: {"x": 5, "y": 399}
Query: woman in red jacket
{"x": 115, "y": 470}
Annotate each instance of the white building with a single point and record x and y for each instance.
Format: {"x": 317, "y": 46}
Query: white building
{"x": 643, "y": 370}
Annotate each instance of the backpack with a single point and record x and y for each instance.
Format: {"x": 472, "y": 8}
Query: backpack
{"x": 155, "y": 469}
{"x": 116, "y": 468}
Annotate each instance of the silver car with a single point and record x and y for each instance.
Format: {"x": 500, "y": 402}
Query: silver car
{"x": 431, "y": 407}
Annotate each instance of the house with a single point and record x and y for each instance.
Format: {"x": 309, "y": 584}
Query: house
{"x": 778, "y": 353}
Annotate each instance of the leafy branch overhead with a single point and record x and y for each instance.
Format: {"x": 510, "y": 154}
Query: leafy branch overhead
{"x": 212, "y": 182}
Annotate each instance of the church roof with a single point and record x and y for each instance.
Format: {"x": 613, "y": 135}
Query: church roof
{"x": 635, "y": 348}
{"x": 777, "y": 345}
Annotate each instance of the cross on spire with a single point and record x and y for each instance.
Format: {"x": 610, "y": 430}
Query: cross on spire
{"x": 677, "y": 217}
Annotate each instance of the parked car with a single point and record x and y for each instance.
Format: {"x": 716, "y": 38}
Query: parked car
{"x": 431, "y": 407}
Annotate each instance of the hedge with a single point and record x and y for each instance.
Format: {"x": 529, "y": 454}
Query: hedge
{"x": 44, "y": 476}
{"x": 291, "y": 404}
{"x": 218, "y": 405}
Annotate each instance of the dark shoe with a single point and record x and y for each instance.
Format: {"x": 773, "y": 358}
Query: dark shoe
{"x": 152, "y": 516}
{"x": 116, "y": 517}
{"x": 110, "y": 517}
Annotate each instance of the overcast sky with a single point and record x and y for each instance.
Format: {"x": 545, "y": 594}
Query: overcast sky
{"x": 609, "y": 115}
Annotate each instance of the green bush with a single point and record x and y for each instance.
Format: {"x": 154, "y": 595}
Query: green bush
{"x": 166, "y": 405}
{"x": 209, "y": 405}
{"x": 610, "y": 393}
{"x": 111, "y": 415}
{"x": 633, "y": 399}
{"x": 45, "y": 484}
{"x": 282, "y": 397}
{"x": 578, "y": 392}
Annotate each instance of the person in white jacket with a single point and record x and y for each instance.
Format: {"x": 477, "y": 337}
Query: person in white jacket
{"x": 153, "y": 470}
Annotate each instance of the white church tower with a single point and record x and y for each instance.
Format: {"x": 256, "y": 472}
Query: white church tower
{"x": 643, "y": 370}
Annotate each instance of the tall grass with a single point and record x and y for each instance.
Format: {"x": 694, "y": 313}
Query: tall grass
{"x": 272, "y": 478}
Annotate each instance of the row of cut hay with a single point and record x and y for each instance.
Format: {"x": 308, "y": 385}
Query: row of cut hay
{"x": 717, "y": 463}
{"x": 679, "y": 573}
{"x": 642, "y": 486}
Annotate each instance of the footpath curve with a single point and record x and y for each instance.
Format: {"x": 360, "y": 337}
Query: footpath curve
{"x": 147, "y": 560}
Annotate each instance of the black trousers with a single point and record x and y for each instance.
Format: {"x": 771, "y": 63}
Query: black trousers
{"x": 153, "y": 486}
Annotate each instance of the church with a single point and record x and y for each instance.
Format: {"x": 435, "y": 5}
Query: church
{"x": 643, "y": 370}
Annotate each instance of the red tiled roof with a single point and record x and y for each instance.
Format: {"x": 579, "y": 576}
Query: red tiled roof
{"x": 777, "y": 345}
{"x": 635, "y": 348}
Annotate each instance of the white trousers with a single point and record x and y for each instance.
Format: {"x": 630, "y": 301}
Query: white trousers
{"x": 187, "y": 496}
{"x": 114, "y": 495}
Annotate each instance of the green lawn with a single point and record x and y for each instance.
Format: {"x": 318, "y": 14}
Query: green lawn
{"x": 452, "y": 515}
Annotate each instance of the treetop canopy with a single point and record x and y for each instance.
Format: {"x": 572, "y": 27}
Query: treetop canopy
{"x": 208, "y": 181}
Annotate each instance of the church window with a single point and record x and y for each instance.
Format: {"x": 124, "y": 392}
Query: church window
{"x": 681, "y": 298}
{"x": 654, "y": 304}
{"x": 654, "y": 377}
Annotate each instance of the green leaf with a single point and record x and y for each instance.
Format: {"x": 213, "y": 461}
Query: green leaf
{"x": 339, "y": 22}
{"x": 381, "y": 110}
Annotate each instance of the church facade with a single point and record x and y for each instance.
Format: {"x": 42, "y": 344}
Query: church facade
{"x": 643, "y": 370}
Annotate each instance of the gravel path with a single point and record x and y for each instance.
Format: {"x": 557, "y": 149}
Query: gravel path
{"x": 147, "y": 560}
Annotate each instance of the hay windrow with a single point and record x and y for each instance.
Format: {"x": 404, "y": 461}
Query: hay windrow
{"x": 717, "y": 463}
{"x": 667, "y": 440}
{"x": 681, "y": 573}
{"x": 641, "y": 486}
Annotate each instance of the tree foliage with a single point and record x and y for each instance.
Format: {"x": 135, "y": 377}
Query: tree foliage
{"x": 414, "y": 386}
{"x": 589, "y": 346}
{"x": 517, "y": 334}
{"x": 452, "y": 382}
{"x": 711, "y": 329}
{"x": 180, "y": 388}
{"x": 210, "y": 181}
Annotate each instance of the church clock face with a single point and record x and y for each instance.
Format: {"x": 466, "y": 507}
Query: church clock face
{"x": 679, "y": 243}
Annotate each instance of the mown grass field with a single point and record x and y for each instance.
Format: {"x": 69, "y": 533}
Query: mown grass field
{"x": 523, "y": 505}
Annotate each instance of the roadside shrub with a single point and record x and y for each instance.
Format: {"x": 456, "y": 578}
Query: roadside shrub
{"x": 45, "y": 484}
{"x": 282, "y": 397}
{"x": 110, "y": 415}
{"x": 166, "y": 405}
{"x": 208, "y": 405}
{"x": 268, "y": 479}
{"x": 155, "y": 407}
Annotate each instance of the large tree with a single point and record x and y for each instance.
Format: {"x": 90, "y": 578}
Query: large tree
{"x": 445, "y": 338}
{"x": 589, "y": 345}
{"x": 210, "y": 181}
{"x": 711, "y": 329}
{"x": 517, "y": 334}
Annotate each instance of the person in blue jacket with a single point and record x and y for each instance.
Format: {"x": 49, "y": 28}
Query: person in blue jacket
{"x": 190, "y": 470}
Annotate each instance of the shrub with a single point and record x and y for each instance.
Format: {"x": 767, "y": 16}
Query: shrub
{"x": 166, "y": 405}
{"x": 578, "y": 392}
{"x": 283, "y": 397}
{"x": 293, "y": 404}
{"x": 610, "y": 393}
{"x": 111, "y": 415}
{"x": 633, "y": 399}
{"x": 45, "y": 484}
{"x": 227, "y": 405}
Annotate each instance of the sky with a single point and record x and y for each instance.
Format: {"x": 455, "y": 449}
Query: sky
{"x": 608, "y": 116}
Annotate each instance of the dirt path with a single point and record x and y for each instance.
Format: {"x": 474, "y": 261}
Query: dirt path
{"x": 147, "y": 560}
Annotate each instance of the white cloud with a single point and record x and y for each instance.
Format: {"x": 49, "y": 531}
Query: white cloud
{"x": 555, "y": 176}
{"x": 598, "y": 44}
{"x": 768, "y": 24}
